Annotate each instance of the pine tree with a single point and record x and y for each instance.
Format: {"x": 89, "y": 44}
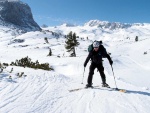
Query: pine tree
{"x": 71, "y": 43}
{"x": 46, "y": 40}
{"x": 50, "y": 52}
{"x": 136, "y": 38}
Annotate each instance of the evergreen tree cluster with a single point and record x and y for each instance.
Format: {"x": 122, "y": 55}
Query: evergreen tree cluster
{"x": 3, "y": 66}
{"x": 26, "y": 62}
{"x": 21, "y": 74}
{"x": 71, "y": 43}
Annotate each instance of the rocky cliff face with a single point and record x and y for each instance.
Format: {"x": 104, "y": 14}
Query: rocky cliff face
{"x": 17, "y": 14}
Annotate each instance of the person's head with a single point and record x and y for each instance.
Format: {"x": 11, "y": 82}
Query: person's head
{"x": 96, "y": 45}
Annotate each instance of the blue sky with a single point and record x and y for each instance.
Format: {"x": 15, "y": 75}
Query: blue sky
{"x": 56, "y": 12}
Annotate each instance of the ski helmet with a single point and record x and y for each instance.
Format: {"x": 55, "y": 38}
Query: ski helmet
{"x": 96, "y": 44}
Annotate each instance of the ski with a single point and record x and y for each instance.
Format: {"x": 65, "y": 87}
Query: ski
{"x": 112, "y": 89}
{"x": 116, "y": 89}
{"x": 98, "y": 87}
{"x": 122, "y": 90}
{"x": 77, "y": 89}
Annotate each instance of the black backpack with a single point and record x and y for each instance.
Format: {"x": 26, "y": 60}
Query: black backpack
{"x": 90, "y": 48}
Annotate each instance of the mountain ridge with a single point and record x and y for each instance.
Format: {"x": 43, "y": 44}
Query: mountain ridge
{"x": 17, "y": 14}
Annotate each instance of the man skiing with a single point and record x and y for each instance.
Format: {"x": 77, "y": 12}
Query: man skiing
{"x": 96, "y": 56}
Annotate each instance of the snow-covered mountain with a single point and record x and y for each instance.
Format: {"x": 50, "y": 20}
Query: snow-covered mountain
{"x": 17, "y": 15}
{"x": 68, "y": 25}
{"x": 106, "y": 24}
{"x": 43, "y": 91}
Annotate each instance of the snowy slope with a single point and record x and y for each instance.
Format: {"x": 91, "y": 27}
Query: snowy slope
{"x": 47, "y": 91}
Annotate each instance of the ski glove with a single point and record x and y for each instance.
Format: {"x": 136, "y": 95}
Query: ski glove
{"x": 111, "y": 62}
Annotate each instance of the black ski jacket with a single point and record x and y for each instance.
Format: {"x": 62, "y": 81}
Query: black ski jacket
{"x": 96, "y": 56}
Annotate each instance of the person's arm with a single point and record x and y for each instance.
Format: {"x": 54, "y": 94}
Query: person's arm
{"x": 106, "y": 55}
{"x": 109, "y": 59}
{"x": 87, "y": 59}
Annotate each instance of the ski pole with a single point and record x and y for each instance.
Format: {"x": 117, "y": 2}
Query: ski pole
{"x": 114, "y": 77}
{"x": 83, "y": 76}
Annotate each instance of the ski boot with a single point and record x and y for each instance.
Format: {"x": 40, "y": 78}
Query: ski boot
{"x": 105, "y": 85}
{"x": 88, "y": 86}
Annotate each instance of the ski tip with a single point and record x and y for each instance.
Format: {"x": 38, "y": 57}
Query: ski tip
{"x": 122, "y": 90}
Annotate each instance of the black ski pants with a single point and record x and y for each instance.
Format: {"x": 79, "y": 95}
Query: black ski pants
{"x": 91, "y": 72}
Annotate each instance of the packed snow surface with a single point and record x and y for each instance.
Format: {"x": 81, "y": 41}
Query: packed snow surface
{"x": 47, "y": 91}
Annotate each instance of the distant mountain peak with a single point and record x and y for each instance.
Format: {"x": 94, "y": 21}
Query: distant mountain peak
{"x": 68, "y": 25}
{"x": 106, "y": 24}
{"x": 18, "y": 14}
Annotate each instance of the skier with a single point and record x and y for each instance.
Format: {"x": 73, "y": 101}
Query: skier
{"x": 96, "y": 56}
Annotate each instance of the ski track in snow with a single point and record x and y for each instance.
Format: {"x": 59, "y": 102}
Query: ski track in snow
{"x": 50, "y": 95}
{"x": 142, "y": 66}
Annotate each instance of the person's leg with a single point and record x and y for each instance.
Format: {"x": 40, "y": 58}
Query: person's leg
{"x": 91, "y": 73}
{"x": 101, "y": 71}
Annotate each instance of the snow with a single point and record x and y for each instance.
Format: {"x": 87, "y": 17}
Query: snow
{"x": 47, "y": 91}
